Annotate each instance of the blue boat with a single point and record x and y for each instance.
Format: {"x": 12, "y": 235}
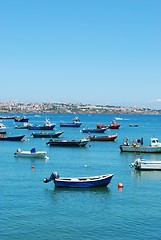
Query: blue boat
{"x": 76, "y": 123}
{"x": 11, "y": 138}
{"x": 68, "y": 143}
{"x": 21, "y": 119}
{"x": 47, "y": 126}
{"x": 94, "y": 130}
{"x": 80, "y": 182}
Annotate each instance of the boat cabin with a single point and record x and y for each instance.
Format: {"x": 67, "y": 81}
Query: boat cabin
{"x": 155, "y": 142}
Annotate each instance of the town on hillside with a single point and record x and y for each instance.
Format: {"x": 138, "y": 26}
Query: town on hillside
{"x": 14, "y": 107}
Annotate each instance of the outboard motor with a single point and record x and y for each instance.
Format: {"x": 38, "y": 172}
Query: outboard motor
{"x": 53, "y": 176}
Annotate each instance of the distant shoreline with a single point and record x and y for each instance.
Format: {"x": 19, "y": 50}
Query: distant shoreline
{"x": 55, "y": 108}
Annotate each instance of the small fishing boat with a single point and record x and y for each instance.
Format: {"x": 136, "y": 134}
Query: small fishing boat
{"x": 47, "y": 135}
{"x": 93, "y": 130}
{"x": 102, "y": 138}
{"x": 2, "y": 126}
{"x": 133, "y": 125}
{"x": 11, "y": 138}
{"x": 137, "y": 146}
{"x": 141, "y": 164}
{"x": 80, "y": 182}
{"x": 31, "y": 154}
{"x": 68, "y": 143}
{"x": 7, "y": 117}
{"x": 113, "y": 125}
{"x": 47, "y": 126}
{"x": 26, "y": 125}
{"x": 21, "y": 119}
{"x": 76, "y": 123}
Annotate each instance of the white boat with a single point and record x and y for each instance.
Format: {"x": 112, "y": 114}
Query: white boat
{"x": 32, "y": 153}
{"x": 2, "y": 126}
{"x": 146, "y": 165}
{"x": 137, "y": 146}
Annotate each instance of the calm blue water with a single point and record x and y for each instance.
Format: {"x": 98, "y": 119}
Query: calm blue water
{"x": 31, "y": 209}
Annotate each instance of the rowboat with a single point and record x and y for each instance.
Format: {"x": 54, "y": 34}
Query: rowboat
{"x": 146, "y": 165}
{"x": 11, "y": 138}
{"x": 137, "y": 146}
{"x": 31, "y": 154}
{"x": 102, "y": 138}
{"x": 68, "y": 143}
{"x": 93, "y": 130}
{"x": 7, "y": 117}
{"x": 47, "y": 135}
{"x": 80, "y": 182}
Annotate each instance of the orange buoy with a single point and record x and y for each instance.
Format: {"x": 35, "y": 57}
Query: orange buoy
{"x": 120, "y": 185}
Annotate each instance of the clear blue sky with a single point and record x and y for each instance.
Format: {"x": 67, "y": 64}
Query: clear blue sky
{"x": 81, "y": 51}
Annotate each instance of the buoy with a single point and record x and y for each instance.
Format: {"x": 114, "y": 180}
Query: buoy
{"x": 120, "y": 185}
{"x": 33, "y": 167}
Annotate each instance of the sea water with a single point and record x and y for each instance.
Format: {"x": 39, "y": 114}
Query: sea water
{"x": 31, "y": 209}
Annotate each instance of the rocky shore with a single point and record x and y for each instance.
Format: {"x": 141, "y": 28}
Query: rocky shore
{"x": 15, "y": 107}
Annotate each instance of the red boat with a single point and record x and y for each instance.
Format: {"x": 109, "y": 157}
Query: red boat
{"x": 113, "y": 125}
{"x": 102, "y": 138}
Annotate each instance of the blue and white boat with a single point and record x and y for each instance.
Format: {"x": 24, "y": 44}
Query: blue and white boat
{"x": 76, "y": 123}
{"x": 94, "y": 130}
{"x": 80, "y": 182}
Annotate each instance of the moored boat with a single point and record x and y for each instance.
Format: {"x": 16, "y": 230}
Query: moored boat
{"x": 102, "y": 138}
{"x": 113, "y": 125}
{"x": 31, "y": 154}
{"x": 80, "y": 182}
{"x": 93, "y": 130}
{"x": 47, "y": 134}
{"x": 11, "y": 138}
{"x": 47, "y": 126}
{"x": 21, "y": 119}
{"x": 141, "y": 164}
{"x": 68, "y": 143}
{"x": 137, "y": 146}
{"x": 75, "y": 123}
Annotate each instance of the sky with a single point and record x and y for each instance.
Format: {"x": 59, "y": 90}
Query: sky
{"x": 105, "y": 52}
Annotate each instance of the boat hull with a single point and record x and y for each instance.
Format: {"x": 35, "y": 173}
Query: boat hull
{"x": 89, "y": 182}
{"x": 14, "y": 138}
{"x": 91, "y": 130}
{"x": 77, "y": 124}
{"x": 47, "y": 135}
{"x": 68, "y": 143}
{"x": 140, "y": 149}
{"x": 102, "y": 138}
{"x": 28, "y": 154}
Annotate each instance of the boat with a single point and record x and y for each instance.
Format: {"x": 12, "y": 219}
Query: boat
{"x": 2, "y": 126}
{"x": 141, "y": 164}
{"x": 93, "y": 130}
{"x": 68, "y": 143}
{"x": 113, "y": 125}
{"x": 137, "y": 146}
{"x": 7, "y": 117}
{"x": 11, "y": 138}
{"x": 47, "y": 126}
{"x": 102, "y": 138}
{"x": 21, "y": 119}
{"x": 133, "y": 125}
{"x": 76, "y": 123}
{"x": 26, "y": 125}
{"x": 31, "y": 154}
{"x": 80, "y": 182}
{"x": 47, "y": 135}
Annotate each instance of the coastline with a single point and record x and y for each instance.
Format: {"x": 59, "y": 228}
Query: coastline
{"x": 16, "y": 107}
